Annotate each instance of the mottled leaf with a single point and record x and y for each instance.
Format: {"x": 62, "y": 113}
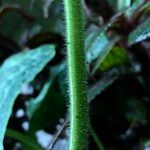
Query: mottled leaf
{"x": 17, "y": 70}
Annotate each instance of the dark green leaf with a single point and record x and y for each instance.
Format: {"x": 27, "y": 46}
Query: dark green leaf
{"x": 117, "y": 56}
{"x": 112, "y": 3}
{"x": 23, "y": 139}
{"x": 105, "y": 52}
{"x": 97, "y": 46}
{"x": 53, "y": 101}
{"x": 35, "y": 103}
{"x": 135, "y": 110}
{"x": 108, "y": 78}
{"x": 141, "y": 33}
{"x": 136, "y": 4}
{"x": 17, "y": 70}
{"x": 123, "y": 4}
{"x": 119, "y": 5}
{"x": 35, "y": 9}
{"x": 100, "y": 86}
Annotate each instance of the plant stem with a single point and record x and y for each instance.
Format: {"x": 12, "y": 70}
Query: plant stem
{"x": 77, "y": 75}
{"x": 57, "y": 135}
{"x": 96, "y": 139}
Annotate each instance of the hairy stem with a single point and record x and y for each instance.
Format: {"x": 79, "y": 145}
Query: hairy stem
{"x": 77, "y": 74}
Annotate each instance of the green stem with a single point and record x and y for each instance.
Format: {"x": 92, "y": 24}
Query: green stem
{"x": 77, "y": 74}
{"x": 96, "y": 139}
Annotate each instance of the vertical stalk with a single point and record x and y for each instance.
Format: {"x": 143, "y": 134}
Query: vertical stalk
{"x": 76, "y": 74}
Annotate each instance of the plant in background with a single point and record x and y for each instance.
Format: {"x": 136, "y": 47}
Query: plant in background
{"x": 107, "y": 74}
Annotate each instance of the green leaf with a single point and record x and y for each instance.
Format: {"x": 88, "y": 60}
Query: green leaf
{"x": 123, "y": 4}
{"x": 146, "y": 143}
{"x": 48, "y": 101}
{"x": 107, "y": 79}
{"x": 142, "y": 32}
{"x": 23, "y": 139}
{"x": 35, "y": 103}
{"x": 100, "y": 86}
{"x": 135, "y": 110}
{"x": 119, "y": 5}
{"x": 112, "y": 3}
{"x": 136, "y": 4}
{"x": 17, "y": 70}
{"x": 35, "y": 9}
{"x": 105, "y": 52}
{"x": 97, "y": 45}
{"x": 52, "y": 105}
{"x": 117, "y": 56}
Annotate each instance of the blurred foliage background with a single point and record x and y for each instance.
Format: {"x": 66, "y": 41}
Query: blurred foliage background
{"x": 118, "y": 56}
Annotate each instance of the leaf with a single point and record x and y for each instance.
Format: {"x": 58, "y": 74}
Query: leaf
{"x": 35, "y": 103}
{"x": 146, "y": 143}
{"x": 112, "y": 3}
{"x": 98, "y": 44}
{"x": 136, "y": 4}
{"x": 36, "y": 9}
{"x": 107, "y": 79}
{"x": 119, "y": 5}
{"x": 123, "y": 4}
{"x": 117, "y": 56}
{"x": 135, "y": 110}
{"x": 23, "y": 139}
{"x": 105, "y": 52}
{"x": 142, "y": 32}
{"x": 53, "y": 105}
{"x": 14, "y": 14}
{"x": 100, "y": 86}
{"x": 17, "y": 70}
{"x": 52, "y": 101}
{"x": 6, "y": 8}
